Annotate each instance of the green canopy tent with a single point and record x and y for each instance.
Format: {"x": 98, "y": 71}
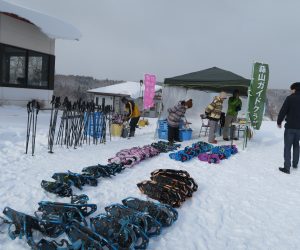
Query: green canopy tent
{"x": 212, "y": 79}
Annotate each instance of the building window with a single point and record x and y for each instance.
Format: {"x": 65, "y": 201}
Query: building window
{"x": 25, "y": 68}
{"x": 13, "y": 70}
{"x": 38, "y": 66}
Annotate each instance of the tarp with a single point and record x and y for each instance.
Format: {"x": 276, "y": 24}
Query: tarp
{"x": 212, "y": 79}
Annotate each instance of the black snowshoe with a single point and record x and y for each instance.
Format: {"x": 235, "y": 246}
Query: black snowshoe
{"x": 59, "y": 188}
{"x": 163, "y": 213}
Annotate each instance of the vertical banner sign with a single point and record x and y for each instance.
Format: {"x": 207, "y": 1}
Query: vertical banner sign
{"x": 150, "y": 81}
{"x": 257, "y": 94}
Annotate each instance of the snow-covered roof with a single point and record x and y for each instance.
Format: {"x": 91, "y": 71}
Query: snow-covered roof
{"x": 51, "y": 26}
{"x": 132, "y": 89}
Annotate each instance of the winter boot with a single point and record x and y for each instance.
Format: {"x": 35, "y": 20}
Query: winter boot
{"x": 284, "y": 170}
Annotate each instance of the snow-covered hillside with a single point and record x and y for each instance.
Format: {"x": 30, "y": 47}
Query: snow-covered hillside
{"x": 242, "y": 203}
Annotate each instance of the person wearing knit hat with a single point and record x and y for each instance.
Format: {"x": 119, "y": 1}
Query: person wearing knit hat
{"x": 175, "y": 115}
{"x": 295, "y": 86}
{"x": 290, "y": 112}
{"x": 213, "y": 112}
{"x": 132, "y": 113}
{"x": 234, "y": 106}
{"x": 223, "y": 95}
{"x": 189, "y": 103}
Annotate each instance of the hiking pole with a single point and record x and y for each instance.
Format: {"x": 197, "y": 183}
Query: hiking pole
{"x": 57, "y": 104}
{"x": 52, "y": 107}
{"x": 28, "y": 124}
{"x": 33, "y": 121}
{"x": 36, "y": 108}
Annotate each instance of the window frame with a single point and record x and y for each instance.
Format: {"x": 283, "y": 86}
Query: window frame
{"x": 51, "y": 66}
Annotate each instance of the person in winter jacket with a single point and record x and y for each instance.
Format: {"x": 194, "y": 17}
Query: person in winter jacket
{"x": 175, "y": 115}
{"x": 213, "y": 112}
{"x": 290, "y": 111}
{"x": 133, "y": 114}
{"x": 234, "y": 106}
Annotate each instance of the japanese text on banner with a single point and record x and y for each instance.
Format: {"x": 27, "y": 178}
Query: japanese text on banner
{"x": 149, "y": 93}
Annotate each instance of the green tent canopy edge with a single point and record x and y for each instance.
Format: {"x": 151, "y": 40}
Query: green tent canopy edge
{"x": 213, "y": 79}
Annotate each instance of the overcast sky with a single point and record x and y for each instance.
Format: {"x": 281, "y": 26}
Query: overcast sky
{"x": 124, "y": 39}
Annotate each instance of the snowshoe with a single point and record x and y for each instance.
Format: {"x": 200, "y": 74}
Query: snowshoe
{"x": 75, "y": 179}
{"x": 164, "y": 147}
{"x": 97, "y": 171}
{"x": 52, "y": 245}
{"x": 61, "y": 189}
{"x": 182, "y": 173}
{"x": 164, "y": 194}
{"x": 179, "y": 175}
{"x": 184, "y": 188}
{"x": 84, "y": 238}
{"x": 112, "y": 229}
{"x": 23, "y": 224}
{"x": 163, "y": 213}
{"x": 147, "y": 223}
{"x": 79, "y": 199}
{"x": 63, "y": 213}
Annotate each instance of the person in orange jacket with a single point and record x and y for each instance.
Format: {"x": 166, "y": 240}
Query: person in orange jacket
{"x": 133, "y": 114}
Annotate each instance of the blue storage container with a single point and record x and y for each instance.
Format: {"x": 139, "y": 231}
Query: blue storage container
{"x": 163, "y": 124}
{"x": 185, "y": 134}
{"x": 181, "y": 124}
{"x": 163, "y": 134}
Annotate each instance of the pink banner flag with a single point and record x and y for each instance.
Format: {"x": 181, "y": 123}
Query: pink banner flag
{"x": 150, "y": 81}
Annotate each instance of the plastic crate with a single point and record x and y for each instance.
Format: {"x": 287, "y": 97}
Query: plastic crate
{"x": 163, "y": 124}
{"x": 185, "y": 134}
{"x": 181, "y": 124}
{"x": 163, "y": 134}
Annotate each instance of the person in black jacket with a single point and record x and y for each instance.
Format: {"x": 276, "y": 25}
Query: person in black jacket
{"x": 290, "y": 111}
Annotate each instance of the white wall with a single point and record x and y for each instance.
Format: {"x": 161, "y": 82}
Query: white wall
{"x": 21, "y": 96}
{"x": 109, "y": 100}
{"x": 25, "y": 35}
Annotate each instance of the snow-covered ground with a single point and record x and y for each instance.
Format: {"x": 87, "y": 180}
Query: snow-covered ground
{"x": 242, "y": 203}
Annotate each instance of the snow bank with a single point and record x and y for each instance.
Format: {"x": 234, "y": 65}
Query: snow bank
{"x": 242, "y": 203}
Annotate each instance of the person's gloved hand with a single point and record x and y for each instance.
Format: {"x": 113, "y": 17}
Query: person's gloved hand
{"x": 238, "y": 108}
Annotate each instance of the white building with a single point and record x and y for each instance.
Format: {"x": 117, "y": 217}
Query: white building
{"x": 27, "y": 53}
{"x": 112, "y": 95}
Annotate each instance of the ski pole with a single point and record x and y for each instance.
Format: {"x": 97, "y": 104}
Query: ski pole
{"x": 37, "y": 108}
{"x": 28, "y": 125}
{"x": 52, "y": 107}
